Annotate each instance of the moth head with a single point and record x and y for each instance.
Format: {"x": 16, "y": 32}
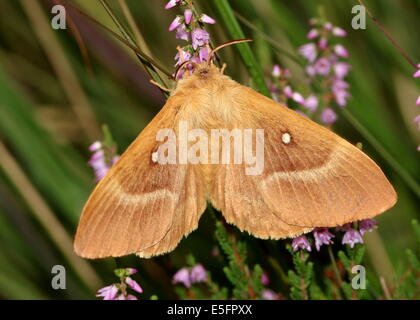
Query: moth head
{"x": 206, "y": 69}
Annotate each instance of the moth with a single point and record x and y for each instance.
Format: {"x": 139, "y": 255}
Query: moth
{"x": 311, "y": 177}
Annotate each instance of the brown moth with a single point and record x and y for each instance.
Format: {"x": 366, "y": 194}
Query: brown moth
{"x": 311, "y": 177}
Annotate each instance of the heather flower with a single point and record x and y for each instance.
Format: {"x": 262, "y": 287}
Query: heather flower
{"x": 308, "y": 51}
{"x": 328, "y": 26}
{"x": 297, "y": 97}
{"x": 198, "y": 274}
{"x": 264, "y": 279}
{"x": 301, "y": 243}
{"x": 418, "y": 101}
{"x": 288, "y": 91}
{"x": 311, "y": 103}
{"x": 133, "y": 285}
{"x": 276, "y": 71}
{"x": 182, "y": 56}
{"x": 367, "y": 225}
{"x": 199, "y": 38}
{"x": 108, "y": 293}
{"x": 322, "y": 66}
{"x": 312, "y": 34}
{"x": 207, "y": 19}
{"x": 417, "y": 120}
{"x": 188, "y": 14}
{"x": 341, "y": 51}
{"x": 175, "y": 23}
{"x": 96, "y": 146}
{"x": 182, "y": 276}
{"x": 417, "y": 73}
{"x": 204, "y": 54}
{"x": 182, "y": 33}
{"x": 129, "y": 297}
{"x": 351, "y": 236}
{"x": 99, "y": 159}
{"x": 323, "y": 43}
{"x": 172, "y": 4}
{"x": 322, "y": 236}
{"x": 341, "y": 69}
{"x": 268, "y": 294}
{"x": 338, "y": 32}
{"x": 328, "y": 116}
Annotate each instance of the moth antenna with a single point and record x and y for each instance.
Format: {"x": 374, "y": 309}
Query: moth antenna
{"x": 159, "y": 86}
{"x": 226, "y": 44}
{"x": 182, "y": 65}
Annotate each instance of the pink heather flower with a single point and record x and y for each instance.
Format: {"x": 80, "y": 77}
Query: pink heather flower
{"x": 341, "y": 97}
{"x": 322, "y": 236}
{"x": 172, "y": 4}
{"x": 108, "y": 293}
{"x": 204, "y": 54}
{"x": 341, "y": 51}
{"x": 199, "y": 38}
{"x": 297, "y": 97}
{"x": 308, "y": 51}
{"x": 312, "y": 34}
{"x": 328, "y": 26}
{"x": 338, "y": 32}
{"x": 417, "y": 73}
{"x": 198, "y": 274}
{"x": 264, "y": 279}
{"x": 311, "y": 103}
{"x": 301, "y": 243}
{"x": 310, "y": 70}
{"x": 188, "y": 14}
{"x": 130, "y": 271}
{"x": 276, "y": 71}
{"x": 418, "y": 101}
{"x": 417, "y": 120}
{"x": 182, "y": 33}
{"x": 182, "y": 276}
{"x": 133, "y": 285}
{"x": 288, "y": 91}
{"x": 184, "y": 56}
{"x": 328, "y": 116}
{"x": 129, "y": 297}
{"x": 206, "y": 19}
{"x": 95, "y": 146}
{"x": 351, "y": 236}
{"x": 323, "y": 43}
{"x": 339, "y": 89}
{"x": 341, "y": 69}
{"x": 175, "y": 23}
{"x": 322, "y": 66}
{"x": 268, "y": 294}
{"x": 367, "y": 225}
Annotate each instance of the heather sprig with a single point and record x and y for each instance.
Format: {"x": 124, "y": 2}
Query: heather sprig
{"x": 104, "y": 155}
{"x": 190, "y": 27}
{"x": 325, "y": 65}
{"x": 120, "y": 291}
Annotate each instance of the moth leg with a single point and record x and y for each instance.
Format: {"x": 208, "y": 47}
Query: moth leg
{"x": 160, "y": 86}
{"x": 222, "y": 70}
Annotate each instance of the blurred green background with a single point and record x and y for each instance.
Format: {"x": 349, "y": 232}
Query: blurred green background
{"x": 57, "y": 87}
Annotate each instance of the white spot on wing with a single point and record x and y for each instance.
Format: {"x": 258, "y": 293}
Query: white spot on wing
{"x": 286, "y": 138}
{"x": 155, "y": 157}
